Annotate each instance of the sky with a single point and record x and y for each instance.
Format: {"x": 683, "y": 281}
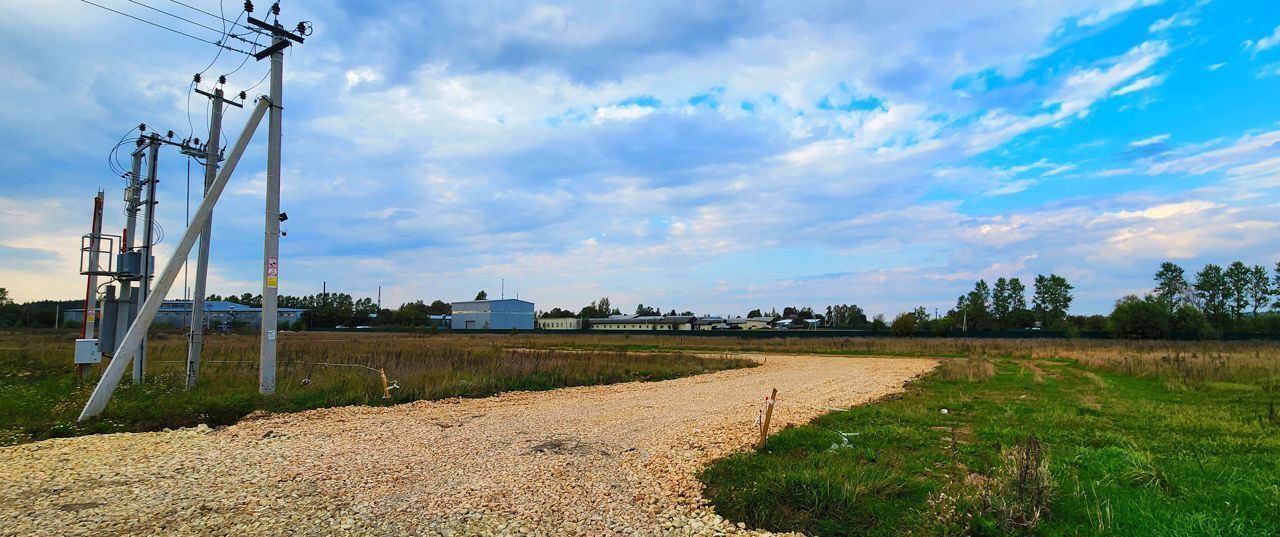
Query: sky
{"x": 712, "y": 156}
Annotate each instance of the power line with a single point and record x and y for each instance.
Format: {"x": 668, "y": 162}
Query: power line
{"x": 219, "y": 17}
{"x": 163, "y": 27}
{"x": 223, "y": 33}
{"x": 179, "y": 17}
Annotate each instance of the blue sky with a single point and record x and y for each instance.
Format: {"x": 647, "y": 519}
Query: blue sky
{"x": 711, "y": 156}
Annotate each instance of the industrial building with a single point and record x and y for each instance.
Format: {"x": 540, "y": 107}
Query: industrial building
{"x": 560, "y": 323}
{"x": 643, "y": 322}
{"x": 502, "y": 314}
{"x": 218, "y": 314}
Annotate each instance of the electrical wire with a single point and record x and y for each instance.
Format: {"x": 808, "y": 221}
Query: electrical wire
{"x": 223, "y": 32}
{"x": 163, "y": 27}
{"x": 222, "y": 17}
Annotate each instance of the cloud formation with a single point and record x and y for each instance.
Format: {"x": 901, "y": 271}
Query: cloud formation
{"x": 710, "y": 156}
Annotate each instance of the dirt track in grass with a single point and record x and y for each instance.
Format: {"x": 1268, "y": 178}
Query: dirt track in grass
{"x": 601, "y": 460}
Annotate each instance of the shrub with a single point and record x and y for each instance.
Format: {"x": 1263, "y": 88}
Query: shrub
{"x": 1015, "y": 497}
{"x": 904, "y": 325}
{"x": 1140, "y": 318}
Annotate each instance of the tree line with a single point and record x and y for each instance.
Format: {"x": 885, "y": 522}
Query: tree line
{"x": 1217, "y": 300}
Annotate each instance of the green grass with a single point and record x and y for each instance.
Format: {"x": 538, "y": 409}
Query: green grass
{"x": 40, "y": 396}
{"x": 1127, "y": 455}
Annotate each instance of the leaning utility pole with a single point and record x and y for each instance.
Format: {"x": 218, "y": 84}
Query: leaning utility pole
{"x": 148, "y": 240}
{"x": 211, "y": 156}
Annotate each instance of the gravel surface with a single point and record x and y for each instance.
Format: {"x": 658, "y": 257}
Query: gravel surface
{"x": 601, "y": 460}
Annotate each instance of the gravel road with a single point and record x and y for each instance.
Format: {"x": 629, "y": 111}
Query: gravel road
{"x": 602, "y": 460}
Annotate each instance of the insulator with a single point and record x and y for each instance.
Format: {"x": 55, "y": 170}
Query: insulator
{"x": 248, "y": 6}
{"x": 196, "y": 78}
{"x": 222, "y": 79}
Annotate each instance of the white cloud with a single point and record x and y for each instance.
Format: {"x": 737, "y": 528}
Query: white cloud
{"x": 1174, "y": 21}
{"x": 1216, "y": 66}
{"x": 1105, "y": 13}
{"x": 1139, "y": 85}
{"x": 620, "y": 113}
{"x": 1198, "y": 161}
{"x": 362, "y": 75}
{"x": 1264, "y": 43}
{"x": 1159, "y": 138}
{"x": 1081, "y": 89}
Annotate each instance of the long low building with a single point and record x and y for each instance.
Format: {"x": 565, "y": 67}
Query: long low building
{"x": 643, "y": 322}
{"x": 218, "y": 314}
{"x": 559, "y": 323}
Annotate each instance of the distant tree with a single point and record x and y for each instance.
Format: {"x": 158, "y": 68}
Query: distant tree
{"x": 974, "y": 308}
{"x": 904, "y": 325}
{"x": 1171, "y": 284}
{"x": 921, "y": 314}
{"x": 1001, "y": 302}
{"x": 482, "y": 295}
{"x": 440, "y": 307}
{"x": 557, "y": 313}
{"x": 646, "y": 311}
{"x": 1238, "y": 277}
{"x": 878, "y": 325}
{"x": 1213, "y": 293}
{"x": 1188, "y": 320}
{"x": 4, "y": 297}
{"x": 754, "y": 313}
{"x": 1017, "y": 296}
{"x": 1052, "y": 299}
{"x": 599, "y": 308}
{"x": 1275, "y": 287}
{"x": 1259, "y": 288}
{"x": 846, "y": 316}
{"x": 1140, "y": 318}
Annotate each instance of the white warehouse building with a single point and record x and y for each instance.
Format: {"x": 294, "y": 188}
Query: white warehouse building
{"x": 504, "y": 314}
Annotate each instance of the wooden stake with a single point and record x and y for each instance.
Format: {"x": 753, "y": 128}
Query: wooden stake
{"x": 768, "y": 414}
{"x": 386, "y": 391}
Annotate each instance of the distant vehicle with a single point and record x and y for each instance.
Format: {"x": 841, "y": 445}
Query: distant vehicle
{"x": 363, "y": 327}
{"x": 341, "y": 326}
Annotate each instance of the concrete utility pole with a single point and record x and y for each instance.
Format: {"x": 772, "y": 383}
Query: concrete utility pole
{"x": 131, "y": 343}
{"x": 131, "y": 202}
{"x": 271, "y": 242}
{"x": 211, "y": 157}
{"x": 149, "y": 224}
{"x": 281, "y": 39}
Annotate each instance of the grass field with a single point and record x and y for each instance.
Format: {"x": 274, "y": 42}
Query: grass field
{"x": 41, "y": 398}
{"x": 1061, "y": 439}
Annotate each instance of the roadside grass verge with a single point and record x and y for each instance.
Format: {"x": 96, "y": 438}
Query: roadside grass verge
{"x": 1131, "y": 444}
{"x": 41, "y": 398}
